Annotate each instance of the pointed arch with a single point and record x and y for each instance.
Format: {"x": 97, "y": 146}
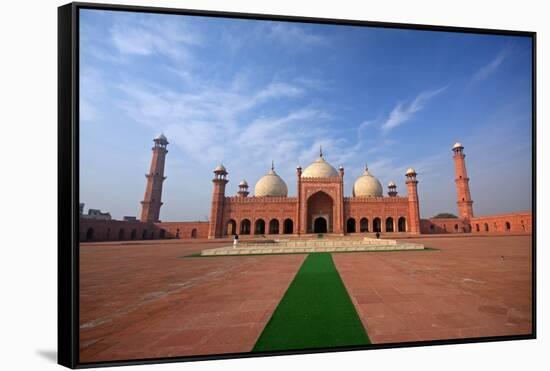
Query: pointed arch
{"x": 389, "y": 224}
{"x": 350, "y": 225}
{"x": 288, "y": 227}
{"x": 245, "y": 226}
{"x": 259, "y": 226}
{"x": 363, "y": 225}
{"x": 273, "y": 226}
{"x": 402, "y": 224}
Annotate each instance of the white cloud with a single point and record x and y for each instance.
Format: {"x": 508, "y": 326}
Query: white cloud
{"x": 405, "y": 112}
{"x": 170, "y": 37}
{"x": 290, "y": 34}
{"x": 488, "y": 69}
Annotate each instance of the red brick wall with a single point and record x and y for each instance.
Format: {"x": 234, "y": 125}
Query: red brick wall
{"x": 117, "y": 230}
{"x": 376, "y": 207}
{"x": 259, "y": 208}
{"x": 518, "y": 223}
{"x": 443, "y": 225}
{"x": 110, "y": 230}
{"x": 185, "y": 230}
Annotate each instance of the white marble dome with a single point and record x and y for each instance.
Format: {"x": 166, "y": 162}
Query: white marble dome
{"x": 220, "y": 169}
{"x": 320, "y": 169}
{"x": 367, "y": 186}
{"x": 270, "y": 184}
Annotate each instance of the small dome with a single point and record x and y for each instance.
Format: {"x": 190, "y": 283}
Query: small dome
{"x": 319, "y": 169}
{"x": 367, "y": 186}
{"x": 243, "y": 183}
{"x": 391, "y": 184}
{"x": 457, "y": 145}
{"x": 220, "y": 169}
{"x": 161, "y": 138}
{"x": 270, "y": 184}
{"x": 410, "y": 171}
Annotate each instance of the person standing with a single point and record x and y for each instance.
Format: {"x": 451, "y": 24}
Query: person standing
{"x": 235, "y": 240}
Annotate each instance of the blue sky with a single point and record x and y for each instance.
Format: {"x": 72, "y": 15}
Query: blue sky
{"x": 244, "y": 93}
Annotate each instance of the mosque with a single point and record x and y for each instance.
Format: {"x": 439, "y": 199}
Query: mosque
{"x": 319, "y": 207}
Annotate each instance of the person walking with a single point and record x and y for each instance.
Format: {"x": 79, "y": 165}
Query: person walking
{"x": 235, "y": 240}
{"x": 377, "y": 234}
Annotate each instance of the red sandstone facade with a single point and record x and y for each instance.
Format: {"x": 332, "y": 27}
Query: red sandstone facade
{"x": 319, "y": 206}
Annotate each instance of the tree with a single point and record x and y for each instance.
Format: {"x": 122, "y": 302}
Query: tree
{"x": 445, "y": 215}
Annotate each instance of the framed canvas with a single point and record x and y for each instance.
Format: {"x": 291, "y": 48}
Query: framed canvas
{"x": 306, "y": 185}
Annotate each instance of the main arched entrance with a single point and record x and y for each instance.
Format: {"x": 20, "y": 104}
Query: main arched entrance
{"x": 319, "y": 213}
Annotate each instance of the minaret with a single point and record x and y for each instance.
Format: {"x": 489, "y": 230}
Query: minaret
{"x": 150, "y": 206}
{"x": 299, "y": 197}
{"x": 243, "y": 189}
{"x": 215, "y": 229}
{"x": 414, "y": 208}
{"x": 392, "y": 189}
{"x": 464, "y": 200}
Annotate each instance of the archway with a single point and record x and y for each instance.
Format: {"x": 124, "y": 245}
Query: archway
{"x": 402, "y": 224}
{"x": 259, "y": 227}
{"x": 231, "y": 228}
{"x": 319, "y": 205}
{"x": 144, "y": 234}
{"x": 288, "y": 226}
{"x": 320, "y": 225}
{"x": 194, "y": 233}
{"x": 245, "y": 226}
{"x": 508, "y": 226}
{"x": 90, "y": 234}
{"x": 162, "y": 233}
{"x": 377, "y": 225}
{"x": 121, "y": 234}
{"x": 477, "y": 227}
{"x": 389, "y": 224}
{"x": 274, "y": 226}
{"x": 133, "y": 234}
{"x": 350, "y": 225}
{"x": 364, "y": 225}
{"x": 486, "y": 227}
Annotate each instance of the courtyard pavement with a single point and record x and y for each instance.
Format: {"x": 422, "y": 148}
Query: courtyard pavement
{"x": 142, "y": 300}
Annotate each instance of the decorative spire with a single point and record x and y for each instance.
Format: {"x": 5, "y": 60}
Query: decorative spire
{"x": 366, "y": 167}
{"x": 320, "y": 150}
{"x": 272, "y": 165}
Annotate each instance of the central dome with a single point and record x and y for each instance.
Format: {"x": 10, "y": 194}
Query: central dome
{"x": 367, "y": 186}
{"x": 320, "y": 169}
{"x": 270, "y": 184}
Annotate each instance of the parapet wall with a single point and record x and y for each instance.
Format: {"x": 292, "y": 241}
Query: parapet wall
{"x": 520, "y": 222}
{"x": 118, "y": 230}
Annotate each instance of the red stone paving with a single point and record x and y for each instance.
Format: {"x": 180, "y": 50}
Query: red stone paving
{"x": 140, "y": 300}
{"x": 464, "y": 290}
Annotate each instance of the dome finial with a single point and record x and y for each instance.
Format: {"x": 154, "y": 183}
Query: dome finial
{"x": 366, "y": 167}
{"x": 320, "y": 150}
{"x": 272, "y": 165}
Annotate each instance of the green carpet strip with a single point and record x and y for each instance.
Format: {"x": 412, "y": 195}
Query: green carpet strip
{"x": 315, "y": 312}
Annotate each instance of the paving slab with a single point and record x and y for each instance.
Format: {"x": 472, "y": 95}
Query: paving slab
{"x": 470, "y": 287}
{"x": 143, "y": 300}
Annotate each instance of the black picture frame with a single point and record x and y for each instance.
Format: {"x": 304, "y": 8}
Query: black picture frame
{"x": 68, "y": 178}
